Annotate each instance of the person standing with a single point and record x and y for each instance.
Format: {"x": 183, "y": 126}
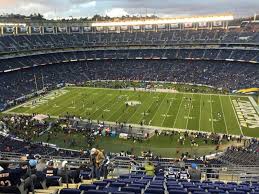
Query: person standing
{"x": 97, "y": 159}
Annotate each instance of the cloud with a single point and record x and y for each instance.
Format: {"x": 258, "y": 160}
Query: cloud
{"x": 83, "y": 8}
{"x": 116, "y": 12}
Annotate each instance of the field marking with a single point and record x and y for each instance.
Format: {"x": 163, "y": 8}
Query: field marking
{"x": 147, "y": 110}
{"x": 166, "y": 112}
{"x": 236, "y": 115}
{"x": 190, "y": 107}
{"x": 136, "y": 109}
{"x": 223, "y": 115}
{"x": 158, "y": 108}
{"x": 102, "y": 105}
{"x": 211, "y": 115}
{"x": 178, "y": 112}
{"x": 115, "y": 112}
{"x": 200, "y": 114}
{"x": 134, "y": 95}
{"x": 63, "y": 104}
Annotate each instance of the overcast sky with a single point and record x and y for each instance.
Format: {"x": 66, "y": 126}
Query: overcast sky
{"x": 113, "y": 8}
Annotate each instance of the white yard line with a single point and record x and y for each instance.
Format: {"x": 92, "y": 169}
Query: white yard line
{"x": 178, "y": 112}
{"x": 158, "y": 108}
{"x": 115, "y": 112}
{"x": 134, "y": 113}
{"x": 166, "y": 112}
{"x": 190, "y": 108}
{"x": 224, "y": 118}
{"x": 236, "y": 116}
{"x": 211, "y": 115}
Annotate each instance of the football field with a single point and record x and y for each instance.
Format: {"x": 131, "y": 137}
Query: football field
{"x": 201, "y": 112}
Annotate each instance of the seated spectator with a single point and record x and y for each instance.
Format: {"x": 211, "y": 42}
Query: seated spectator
{"x": 195, "y": 173}
{"x": 149, "y": 169}
{"x": 9, "y": 179}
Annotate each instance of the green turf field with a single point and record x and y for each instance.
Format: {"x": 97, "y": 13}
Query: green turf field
{"x": 201, "y": 112}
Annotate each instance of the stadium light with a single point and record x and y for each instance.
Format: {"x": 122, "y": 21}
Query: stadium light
{"x": 166, "y": 21}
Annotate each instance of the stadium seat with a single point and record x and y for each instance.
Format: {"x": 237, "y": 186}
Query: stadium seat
{"x": 236, "y": 192}
{"x": 136, "y": 190}
{"x": 177, "y": 192}
{"x": 70, "y": 191}
{"x": 154, "y": 191}
{"x": 216, "y": 191}
{"x": 117, "y": 184}
{"x": 86, "y": 187}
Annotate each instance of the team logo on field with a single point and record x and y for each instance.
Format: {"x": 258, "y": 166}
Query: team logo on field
{"x": 246, "y": 114}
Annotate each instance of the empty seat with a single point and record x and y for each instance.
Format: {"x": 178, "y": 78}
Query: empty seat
{"x": 195, "y": 189}
{"x": 100, "y": 183}
{"x": 201, "y": 192}
{"x": 142, "y": 186}
{"x": 96, "y": 192}
{"x": 177, "y": 192}
{"x": 136, "y": 190}
{"x": 86, "y": 187}
{"x": 236, "y": 192}
{"x": 117, "y": 184}
{"x": 216, "y": 191}
{"x": 161, "y": 186}
{"x": 154, "y": 191}
{"x": 70, "y": 191}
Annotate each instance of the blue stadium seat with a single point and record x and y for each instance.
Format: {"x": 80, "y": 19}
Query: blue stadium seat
{"x": 117, "y": 184}
{"x": 96, "y": 192}
{"x": 136, "y": 190}
{"x": 195, "y": 189}
{"x": 176, "y": 187}
{"x": 142, "y": 186}
{"x": 70, "y": 191}
{"x": 86, "y": 187}
{"x": 201, "y": 192}
{"x": 100, "y": 183}
{"x": 154, "y": 191}
{"x": 161, "y": 186}
{"x": 121, "y": 192}
{"x": 177, "y": 192}
{"x": 216, "y": 191}
{"x": 236, "y": 192}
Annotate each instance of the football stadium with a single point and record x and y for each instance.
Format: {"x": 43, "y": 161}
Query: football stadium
{"x": 128, "y": 104}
